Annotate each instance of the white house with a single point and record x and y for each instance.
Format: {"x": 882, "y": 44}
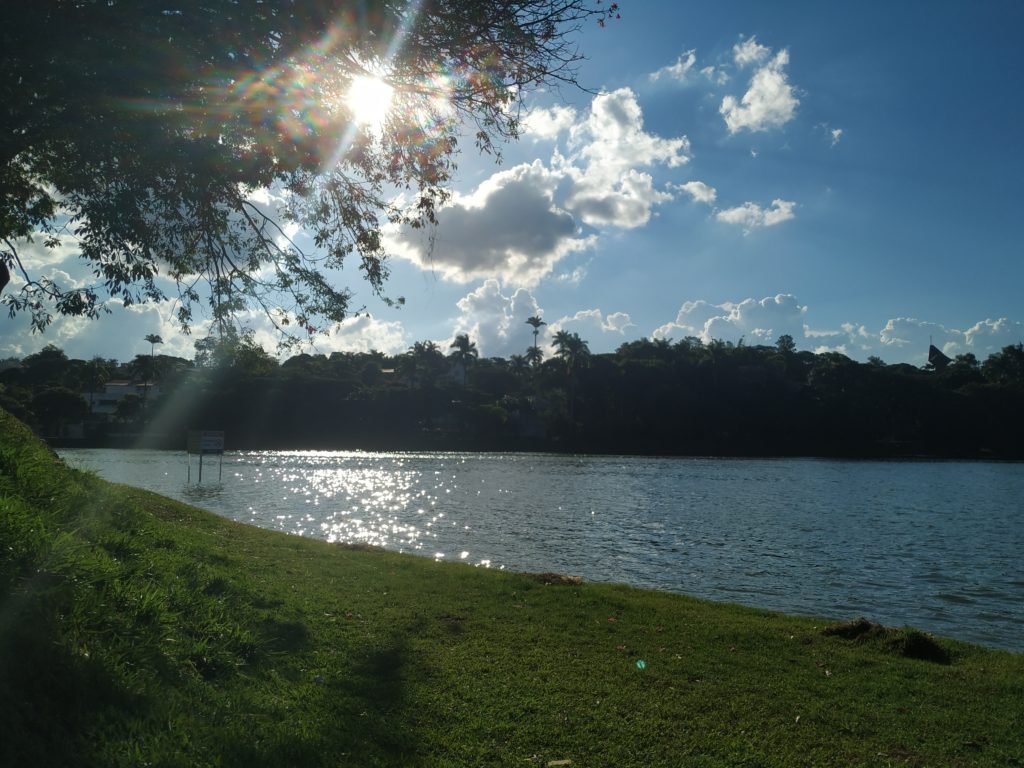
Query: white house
{"x": 104, "y": 403}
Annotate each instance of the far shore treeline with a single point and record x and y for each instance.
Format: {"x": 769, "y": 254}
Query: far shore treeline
{"x": 648, "y": 397}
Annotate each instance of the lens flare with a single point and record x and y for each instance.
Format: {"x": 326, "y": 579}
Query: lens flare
{"x": 369, "y": 99}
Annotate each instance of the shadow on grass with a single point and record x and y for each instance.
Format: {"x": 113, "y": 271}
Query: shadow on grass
{"x": 49, "y": 697}
{"x": 284, "y": 636}
{"x": 355, "y": 714}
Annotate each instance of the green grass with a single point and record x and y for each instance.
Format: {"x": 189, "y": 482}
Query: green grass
{"x": 137, "y": 631}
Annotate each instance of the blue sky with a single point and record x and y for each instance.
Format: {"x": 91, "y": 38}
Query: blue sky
{"x": 848, "y": 174}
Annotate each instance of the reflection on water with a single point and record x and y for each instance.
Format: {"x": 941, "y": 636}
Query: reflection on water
{"x": 935, "y": 545}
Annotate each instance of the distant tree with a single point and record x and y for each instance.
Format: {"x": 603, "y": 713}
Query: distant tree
{"x": 1005, "y": 367}
{"x": 47, "y": 367}
{"x": 519, "y": 364}
{"x": 876, "y": 361}
{"x": 968, "y": 361}
{"x": 237, "y": 351}
{"x": 145, "y": 371}
{"x": 534, "y": 356}
{"x": 571, "y": 350}
{"x": 464, "y": 353}
{"x": 95, "y": 373}
{"x": 129, "y": 408}
{"x": 426, "y": 360}
{"x": 536, "y": 322}
{"x": 785, "y": 344}
{"x": 153, "y": 339}
{"x": 56, "y": 407}
{"x": 574, "y": 354}
{"x": 142, "y": 129}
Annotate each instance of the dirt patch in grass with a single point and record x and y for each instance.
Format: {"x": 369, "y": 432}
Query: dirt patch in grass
{"x": 909, "y": 643}
{"x": 557, "y": 579}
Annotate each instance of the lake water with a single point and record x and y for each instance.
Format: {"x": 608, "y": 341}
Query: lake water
{"x": 937, "y": 545}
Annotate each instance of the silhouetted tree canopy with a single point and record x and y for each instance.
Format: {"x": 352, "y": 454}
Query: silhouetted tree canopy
{"x": 142, "y": 131}
{"x": 649, "y": 396}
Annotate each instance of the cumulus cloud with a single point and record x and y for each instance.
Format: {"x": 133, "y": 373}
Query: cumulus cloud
{"x": 509, "y": 228}
{"x": 596, "y": 327}
{"x": 769, "y": 102}
{"x": 911, "y": 333}
{"x": 989, "y": 336}
{"x": 366, "y": 333}
{"x": 544, "y": 123}
{"x": 699, "y": 191}
{"x": 756, "y": 321}
{"x": 118, "y": 335}
{"x": 749, "y": 52}
{"x": 836, "y": 134}
{"x": 607, "y": 187}
{"x": 520, "y": 223}
{"x": 496, "y": 321}
{"x": 626, "y": 202}
{"x": 34, "y": 253}
{"x": 680, "y": 69}
{"x": 614, "y": 135}
{"x": 751, "y": 216}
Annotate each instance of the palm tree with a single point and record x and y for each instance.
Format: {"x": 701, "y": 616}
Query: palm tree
{"x": 153, "y": 339}
{"x": 572, "y": 350}
{"x": 95, "y": 374}
{"x": 519, "y": 364}
{"x": 425, "y": 358}
{"x": 574, "y": 353}
{"x": 536, "y": 322}
{"x": 534, "y": 356}
{"x": 465, "y": 353}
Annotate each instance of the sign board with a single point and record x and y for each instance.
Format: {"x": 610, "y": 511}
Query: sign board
{"x": 206, "y": 441}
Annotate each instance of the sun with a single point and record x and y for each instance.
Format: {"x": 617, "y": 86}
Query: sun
{"x": 369, "y": 99}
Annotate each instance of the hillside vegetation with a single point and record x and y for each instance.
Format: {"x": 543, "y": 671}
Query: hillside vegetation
{"x": 137, "y": 631}
{"x": 648, "y": 397}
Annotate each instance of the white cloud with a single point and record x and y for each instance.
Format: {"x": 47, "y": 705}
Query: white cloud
{"x": 989, "y": 336}
{"x": 626, "y": 202}
{"x": 717, "y": 75}
{"x": 836, "y": 134}
{"x": 913, "y": 334}
{"x": 118, "y": 335}
{"x": 751, "y": 216}
{"x": 615, "y": 137}
{"x": 680, "y": 69}
{"x": 35, "y": 254}
{"x": 496, "y": 322}
{"x": 599, "y": 330}
{"x": 768, "y": 103}
{"x": 520, "y": 223}
{"x": 611, "y": 146}
{"x": 572, "y": 278}
{"x": 699, "y": 191}
{"x": 509, "y": 228}
{"x": 545, "y": 123}
{"x": 749, "y": 52}
{"x": 365, "y": 333}
{"x": 756, "y": 321}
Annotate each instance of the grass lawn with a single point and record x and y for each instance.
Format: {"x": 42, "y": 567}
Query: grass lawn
{"x": 138, "y": 631}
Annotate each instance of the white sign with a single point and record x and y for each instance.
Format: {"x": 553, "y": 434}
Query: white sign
{"x": 206, "y": 442}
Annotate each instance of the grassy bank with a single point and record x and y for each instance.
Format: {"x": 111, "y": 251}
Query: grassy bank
{"x": 135, "y": 631}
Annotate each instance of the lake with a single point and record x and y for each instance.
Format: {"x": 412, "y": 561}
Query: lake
{"x": 937, "y": 545}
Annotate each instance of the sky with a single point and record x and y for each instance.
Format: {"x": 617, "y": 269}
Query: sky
{"x": 845, "y": 173}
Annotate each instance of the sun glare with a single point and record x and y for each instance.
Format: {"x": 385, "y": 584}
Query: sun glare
{"x": 369, "y": 99}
